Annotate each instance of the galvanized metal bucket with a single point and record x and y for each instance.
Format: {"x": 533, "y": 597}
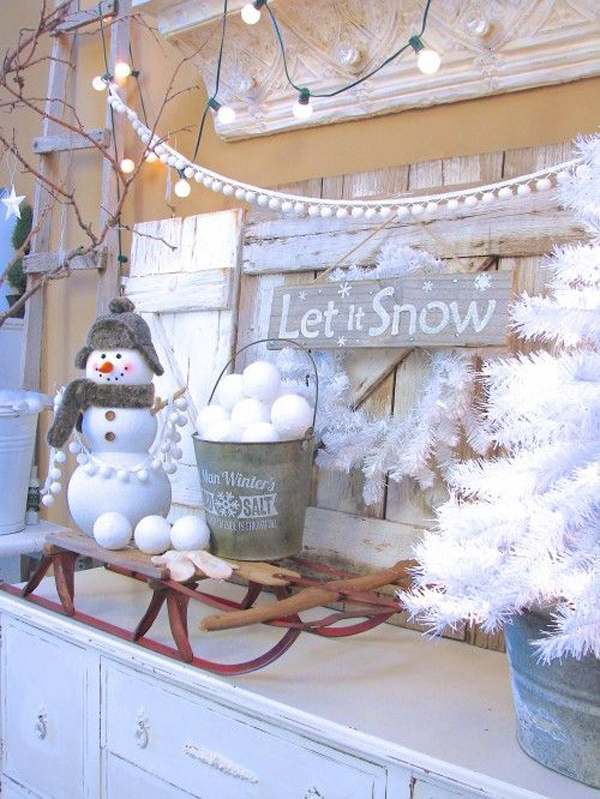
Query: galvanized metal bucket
{"x": 557, "y": 704}
{"x": 255, "y": 495}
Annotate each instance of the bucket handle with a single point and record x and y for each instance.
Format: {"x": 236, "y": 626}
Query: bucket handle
{"x": 266, "y": 341}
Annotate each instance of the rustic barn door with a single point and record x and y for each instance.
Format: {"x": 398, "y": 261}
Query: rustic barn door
{"x": 184, "y": 281}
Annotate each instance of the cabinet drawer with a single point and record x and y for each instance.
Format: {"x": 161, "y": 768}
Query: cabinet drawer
{"x": 43, "y": 696}
{"x": 213, "y": 752}
{"x": 124, "y": 780}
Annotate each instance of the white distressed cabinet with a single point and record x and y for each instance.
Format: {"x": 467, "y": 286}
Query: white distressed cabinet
{"x": 386, "y": 715}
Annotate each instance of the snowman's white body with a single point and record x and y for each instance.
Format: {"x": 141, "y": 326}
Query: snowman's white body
{"x": 118, "y": 438}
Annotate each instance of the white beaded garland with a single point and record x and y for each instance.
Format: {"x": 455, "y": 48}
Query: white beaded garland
{"x": 122, "y": 475}
{"x": 370, "y": 213}
{"x": 176, "y": 453}
{"x": 82, "y": 459}
{"x": 47, "y": 500}
{"x": 401, "y": 211}
{"x": 227, "y": 190}
{"x": 314, "y": 210}
{"x": 505, "y": 192}
{"x": 188, "y": 172}
{"x": 262, "y": 200}
{"x": 341, "y": 213}
{"x": 299, "y": 209}
{"x": 274, "y": 203}
{"x": 416, "y": 209}
{"x": 55, "y": 474}
{"x": 488, "y": 197}
{"x": 60, "y": 457}
{"x": 250, "y": 196}
{"x": 543, "y": 184}
{"x": 207, "y": 180}
{"x": 106, "y": 471}
{"x": 326, "y": 211}
{"x": 523, "y": 190}
{"x": 181, "y": 420}
{"x": 74, "y": 447}
{"x": 384, "y": 211}
{"x": 240, "y": 194}
{"x": 357, "y": 211}
{"x": 470, "y": 201}
{"x": 90, "y": 468}
{"x": 55, "y": 488}
{"x": 452, "y": 204}
{"x": 198, "y": 177}
{"x": 181, "y": 403}
{"x": 431, "y": 207}
{"x": 170, "y": 468}
{"x": 156, "y": 464}
{"x": 142, "y": 475}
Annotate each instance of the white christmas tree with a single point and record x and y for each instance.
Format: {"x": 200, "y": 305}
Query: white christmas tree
{"x": 523, "y": 529}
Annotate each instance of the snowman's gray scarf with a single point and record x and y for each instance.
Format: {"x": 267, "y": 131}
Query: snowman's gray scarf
{"x": 82, "y": 393}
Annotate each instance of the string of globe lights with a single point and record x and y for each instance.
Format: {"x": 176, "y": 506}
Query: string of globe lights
{"x": 300, "y": 205}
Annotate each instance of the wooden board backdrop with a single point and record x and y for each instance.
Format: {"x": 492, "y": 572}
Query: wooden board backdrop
{"x": 282, "y": 251}
{"x": 274, "y": 251}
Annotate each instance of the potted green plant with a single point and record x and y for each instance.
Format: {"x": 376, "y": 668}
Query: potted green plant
{"x": 16, "y": 276}
{"x": 517, "y": 545}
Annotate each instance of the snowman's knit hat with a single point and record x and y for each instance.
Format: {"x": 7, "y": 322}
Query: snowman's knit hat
{"x": 120, "y": 328}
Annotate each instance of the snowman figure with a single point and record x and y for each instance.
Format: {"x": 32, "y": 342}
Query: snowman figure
{"x": 111, "y": 408}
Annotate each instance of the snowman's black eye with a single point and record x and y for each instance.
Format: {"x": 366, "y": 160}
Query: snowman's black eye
{"x": 103, "y": 355}
{"x": 118, "y": 355}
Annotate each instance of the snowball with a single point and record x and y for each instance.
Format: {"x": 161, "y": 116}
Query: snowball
{"x": 248, "y": 411}
{"x": 153, "y": 535}
{"x": 190, "y": 532}
{"x": 291, "y": 416}
{"x": 230, "y": 391}
{"x": 261, "y": 381}
{"x": 260, "y": 431}
{"x": 223, "y": 431}
{"x": 112, "y": 530}
{"x": 209, "y": 415}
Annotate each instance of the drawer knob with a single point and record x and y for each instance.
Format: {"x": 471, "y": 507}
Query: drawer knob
{"x": 142, "y": 732}
{"x": 41, "y": 725}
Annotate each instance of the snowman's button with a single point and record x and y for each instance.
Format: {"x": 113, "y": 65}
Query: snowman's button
{"x": 109, "y": 436}
{"x": 110, "y": 415}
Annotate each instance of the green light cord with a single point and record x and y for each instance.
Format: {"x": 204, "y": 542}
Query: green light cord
{"x": 213, "y": 97}
{"x": 354, "y": 83}
{"x": 300, "y": 89}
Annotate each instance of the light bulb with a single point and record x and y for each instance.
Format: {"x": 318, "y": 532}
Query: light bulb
{"x": 302, "y": 107}
{"x": 122, "y": 70}
{"x": 226, "y": 115}
{"x": 250, "y": 14}
{"x": 428, "y": 61}
{"x": 151, "y": 157}
{"x": 127, "y": 166}
{"x": 182, "y": 188}
{"x": 99, "y": 84}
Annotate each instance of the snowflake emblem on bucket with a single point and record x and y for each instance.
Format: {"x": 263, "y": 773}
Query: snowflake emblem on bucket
{"x": 226, "y": 504}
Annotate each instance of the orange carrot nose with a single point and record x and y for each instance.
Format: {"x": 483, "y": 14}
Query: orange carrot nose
{"x": 106, "y": 367}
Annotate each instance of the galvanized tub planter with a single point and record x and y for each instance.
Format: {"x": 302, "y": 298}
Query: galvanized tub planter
{"x": 557, "y": 705}
{"x": 255, "y": 495}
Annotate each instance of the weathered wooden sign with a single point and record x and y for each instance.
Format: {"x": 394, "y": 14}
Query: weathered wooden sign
{"x": 447, "y": 310}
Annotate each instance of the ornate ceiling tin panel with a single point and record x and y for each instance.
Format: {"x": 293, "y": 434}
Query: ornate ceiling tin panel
{"x": 487, "y": 47}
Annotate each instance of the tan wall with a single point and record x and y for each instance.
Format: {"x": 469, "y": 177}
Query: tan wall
{"x": 534, "y": 117}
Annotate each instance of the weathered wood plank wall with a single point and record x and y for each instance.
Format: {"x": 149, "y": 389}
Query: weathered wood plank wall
{"x": 509, "y": 234}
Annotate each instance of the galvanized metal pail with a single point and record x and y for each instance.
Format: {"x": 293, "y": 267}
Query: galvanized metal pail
{"x": 255, "y": 495}
{"x": 557, "y": 704}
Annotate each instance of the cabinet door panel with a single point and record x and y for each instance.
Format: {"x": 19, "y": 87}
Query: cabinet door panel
{"x": 44, "y": 698}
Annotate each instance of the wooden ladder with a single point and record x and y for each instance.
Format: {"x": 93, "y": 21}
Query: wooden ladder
{"x": 49, "y": 146}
